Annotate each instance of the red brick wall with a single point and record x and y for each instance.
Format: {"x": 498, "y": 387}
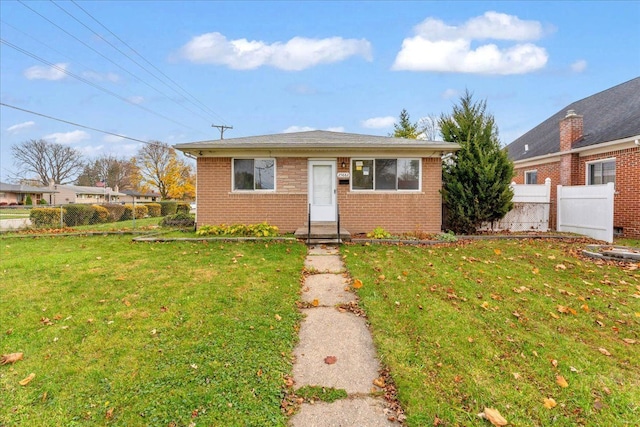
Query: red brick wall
{"x": 396, "y": 212}
{"x": 626, "y": 205}
{"x": 287, "y": 208}
{"x": 627, "y": 197}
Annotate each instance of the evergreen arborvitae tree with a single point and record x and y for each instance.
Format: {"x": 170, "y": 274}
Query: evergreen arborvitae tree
{"x": 405, "y": 129}
{"x": 476, "y": 179}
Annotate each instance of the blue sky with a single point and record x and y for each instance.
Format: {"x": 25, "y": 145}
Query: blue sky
{"x": 270, "y": 67}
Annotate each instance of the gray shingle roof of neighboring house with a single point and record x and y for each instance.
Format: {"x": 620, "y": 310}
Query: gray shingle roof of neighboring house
{"x": 139, "y": 194}
{"x": 608, "y": 116}
{"x": 19, "y": 188}
{"x": 317, "y": 139}
{"x": 81, "y": 189}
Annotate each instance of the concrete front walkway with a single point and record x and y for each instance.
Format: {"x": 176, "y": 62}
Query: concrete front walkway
{"x": 327, "y": 331}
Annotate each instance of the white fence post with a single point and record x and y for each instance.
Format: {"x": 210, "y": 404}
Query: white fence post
{"x": 587, "y": 209}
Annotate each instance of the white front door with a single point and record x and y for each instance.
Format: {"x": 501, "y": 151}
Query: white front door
{"x": 322, "y": 190}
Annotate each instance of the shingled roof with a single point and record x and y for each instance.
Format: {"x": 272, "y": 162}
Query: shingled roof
{"x": 608, "y": 116}
{"x": 317, "y": 139}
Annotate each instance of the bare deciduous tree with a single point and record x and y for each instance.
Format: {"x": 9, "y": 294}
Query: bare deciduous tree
{"x": 111, "y": 170}
{"x": 428, "y": 128}
{"x": 48, "y": 161}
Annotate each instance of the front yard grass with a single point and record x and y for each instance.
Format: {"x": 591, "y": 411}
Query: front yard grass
{"x": 503, "y": 324}
{"x": 122, "y": 333}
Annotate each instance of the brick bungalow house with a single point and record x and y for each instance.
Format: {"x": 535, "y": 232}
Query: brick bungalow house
{"x": 372, "y": 181}
{"x": 592, "y": 141}
{"x": 14, "y": 194}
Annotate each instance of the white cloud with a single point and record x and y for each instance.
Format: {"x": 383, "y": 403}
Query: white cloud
{"x": 72, "y": 137}
{"x": 292, "y": 129}
{"x": 38, "y": 72}
{"x": 579, "y": 66}
{"x": 21, "y": 126}
{"x": 98, "y": 77}
{"x": 336, "y": 129}
{"x": 379, "y": 122}
{"x": 296, "y": 54}
{"x": 439, "y": 47}
{"x": 450, "y": 93}
{"x": 112, "y": 138}
{"x": 136, "y": 99}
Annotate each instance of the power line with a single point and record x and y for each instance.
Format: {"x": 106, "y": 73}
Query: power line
{"x": 103, "y": 56}
{"x": 130, "y": 59}
{"x": 76, "y": 124}
{"x": 90, "y": 83}
{"x": 151, "y": 64}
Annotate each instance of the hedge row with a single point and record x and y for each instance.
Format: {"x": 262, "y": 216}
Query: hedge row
{"x": 75, "y": 215}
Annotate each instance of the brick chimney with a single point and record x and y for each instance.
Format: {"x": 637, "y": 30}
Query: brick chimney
{"x": 570, "y": 130}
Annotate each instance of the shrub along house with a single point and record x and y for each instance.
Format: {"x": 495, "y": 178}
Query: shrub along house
{"x": 287, "y": 179}
{"x": 595, "y": 140}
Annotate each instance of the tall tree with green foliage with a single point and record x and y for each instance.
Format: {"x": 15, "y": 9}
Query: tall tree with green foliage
{"x": 476, "y": 179}
{"x": 405, "y": 128}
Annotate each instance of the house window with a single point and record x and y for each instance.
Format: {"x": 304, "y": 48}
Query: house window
{"x": 531, "y": 177}
{"x": 385, "y": 174}
{"x": 254, "y": 174}
{"x": 601, "y": 172}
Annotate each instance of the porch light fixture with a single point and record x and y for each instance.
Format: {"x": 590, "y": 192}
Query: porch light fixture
{"x": 343, "y": 164}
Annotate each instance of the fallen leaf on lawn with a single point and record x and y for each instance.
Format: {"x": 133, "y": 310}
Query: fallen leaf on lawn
{"x": 315, "y": 302}
{"x": 551, "y": 257}
{"x": 330, "y": 360}
{"x": 561, "y": 381}
{"x": 604, "y": 351}
{"x": 497, "y": 251}
{"x": 606, "y": 390}
{"x": 357, "y": 284}
{"x": 469, "y": 339}
{"x": 126, "y": 302}
{"x": 597, "y": 405}
{"x": 379, "y": 382}
{"x": 585, "y": 307}
{"x": 572, "y": 369}
{"x": 535, "y": 270}
{"x": 566, "y": 310}
{"x": 555, "y": 316}
{"x": 28, "y": 379}
{"x": 561, "y": 267}
{"x": 554, "y": 362}
{"x": 381, "y": 277}
{"x": 493, "y": 416}
{"x": 10, "y": 358}
{"x": 485, "y": 305}
{"x": 629, "y": 340}
{"x": 109, "y": 414}
{"x": 278, "y": 317}
{"x": 259, "y": 373}
{"x": 516, "y": 375}
{"x": 549, "y": 402}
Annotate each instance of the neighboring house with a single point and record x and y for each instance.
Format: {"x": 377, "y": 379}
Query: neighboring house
{"x": 372, "y": 181}
{"x": 18, "y": 193}
{"x": 67, "y": 194}
{"x": 139, "y": 197}
{"x": 592, "y": 141}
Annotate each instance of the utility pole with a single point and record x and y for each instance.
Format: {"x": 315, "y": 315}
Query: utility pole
{"x": 222, "y": 129}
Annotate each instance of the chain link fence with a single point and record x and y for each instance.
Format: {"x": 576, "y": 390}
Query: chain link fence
{"x": 110, "y": 216}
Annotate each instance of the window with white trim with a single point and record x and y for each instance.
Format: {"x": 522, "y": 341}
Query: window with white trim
{"x": 531, "y": 177}
{"x": 601, "y": 172}
{"x": 385, "y": 174}
{"x": 254, "y": 174}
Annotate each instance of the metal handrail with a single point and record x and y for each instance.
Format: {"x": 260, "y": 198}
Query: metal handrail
{"x": 338, "y": 222}
{"x": 309, "y": 225}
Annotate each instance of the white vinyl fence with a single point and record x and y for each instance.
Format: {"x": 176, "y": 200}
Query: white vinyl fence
{"x": 530, "y": 209}
{"x": 587, "y": 209}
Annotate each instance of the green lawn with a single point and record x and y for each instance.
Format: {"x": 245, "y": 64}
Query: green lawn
{"x": 13, "y": 213}
{"x": 496, "y": 323}
{"x": 122, "y": 333}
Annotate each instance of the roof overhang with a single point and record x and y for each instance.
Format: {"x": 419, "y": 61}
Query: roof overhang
{"x": 591, "y": 150}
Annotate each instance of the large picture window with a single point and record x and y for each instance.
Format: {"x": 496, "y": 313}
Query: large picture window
{"x": 601, "y": 172}
{"x": 385, "y": 174}
{"x": 254, "y": 174}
